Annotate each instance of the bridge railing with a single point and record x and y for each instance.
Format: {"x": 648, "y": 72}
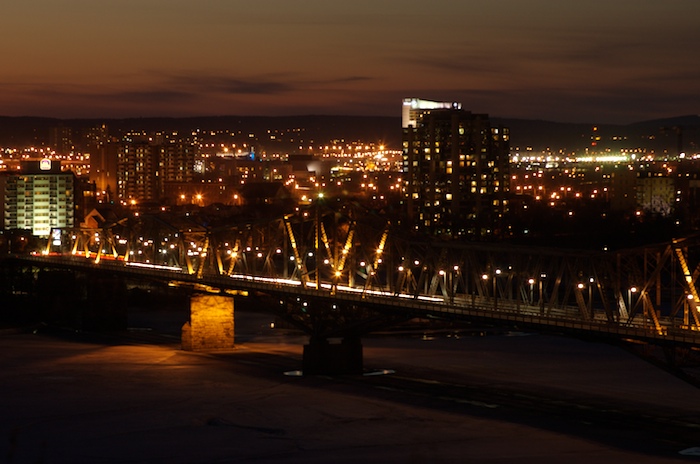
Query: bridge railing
{"x": 654, "y": 286}
{"x": 460, "y": 305}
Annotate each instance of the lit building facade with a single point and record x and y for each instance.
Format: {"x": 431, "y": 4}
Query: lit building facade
{"x": 656, "y": 193}
{"x": 145, "y": 164}
{"x": 103, "y": 160}
{"x": 40, "y": 198}
{"x": 61, "y": 139}
{"x": 456, "y": 171}
{"x": 137, "y": 175}
{"x": 177, "y": 160}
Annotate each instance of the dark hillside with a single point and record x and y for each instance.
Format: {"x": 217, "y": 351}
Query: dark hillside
{"x": 663, "y": 135}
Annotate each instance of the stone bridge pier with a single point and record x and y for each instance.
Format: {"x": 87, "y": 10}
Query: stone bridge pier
{"x": 211, "y": 327}
{"x": 211, "y": 324}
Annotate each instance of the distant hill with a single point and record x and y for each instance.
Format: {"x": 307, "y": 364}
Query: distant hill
{"x": 692, "y": 120}
{"x": 19, "y": 131}
{"x": 540, "y": 135}
{"x": 658, "y": 135}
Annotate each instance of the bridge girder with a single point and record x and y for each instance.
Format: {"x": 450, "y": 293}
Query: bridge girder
{"x": 654, "y": 286}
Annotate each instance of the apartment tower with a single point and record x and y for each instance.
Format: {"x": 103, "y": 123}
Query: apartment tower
{"x": 456, "y": 171}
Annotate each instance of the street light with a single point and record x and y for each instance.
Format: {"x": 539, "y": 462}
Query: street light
{"x": 543, "y": 276}
{"x": 629, "y": 296}
{"x": 495, "y": 289}
{"x": 590, "y": 293}
{"x": 452, "y": 283}
{"x": 484, "y": 277}
{"x": 446, "y": 290}
{"x": 688, "y": 308}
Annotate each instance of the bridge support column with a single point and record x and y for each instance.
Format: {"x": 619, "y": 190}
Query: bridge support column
{"x": 87, "y": 302}
{"x": 211, "y": 324}
{"x": 322, "y": 357}
{"x": 106, "y": 305}
{"x": 58, "y": 301}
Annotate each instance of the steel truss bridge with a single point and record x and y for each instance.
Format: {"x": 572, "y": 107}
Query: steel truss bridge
{"x": 343, "y": 273}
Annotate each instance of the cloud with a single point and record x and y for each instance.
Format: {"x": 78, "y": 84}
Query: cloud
{"x": 231, "y": 85}
{"x": 152, "y": 96}
{"x": 189, "y": 93}
{"x": 464, "y": 63}
{"x": 254, "y": 85}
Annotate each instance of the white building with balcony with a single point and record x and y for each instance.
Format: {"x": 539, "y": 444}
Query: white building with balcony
{"x": 41, "y": 197}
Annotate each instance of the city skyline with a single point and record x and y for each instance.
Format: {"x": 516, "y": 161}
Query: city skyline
{"x": 603, "y": 62}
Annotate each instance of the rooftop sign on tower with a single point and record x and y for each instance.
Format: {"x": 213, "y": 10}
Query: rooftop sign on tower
{"x": 412, "y": 107}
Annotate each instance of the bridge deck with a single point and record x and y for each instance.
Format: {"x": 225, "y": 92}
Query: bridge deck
{"x": 468, "y": 307}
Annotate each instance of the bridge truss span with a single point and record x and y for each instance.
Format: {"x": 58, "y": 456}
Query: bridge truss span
{"x": 346, "y": 257}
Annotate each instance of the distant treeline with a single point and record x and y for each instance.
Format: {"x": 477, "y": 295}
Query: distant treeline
{"x": 659, "y": 135}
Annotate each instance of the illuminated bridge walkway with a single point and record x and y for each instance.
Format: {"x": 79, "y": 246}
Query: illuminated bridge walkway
{"x": 341, "y": 275}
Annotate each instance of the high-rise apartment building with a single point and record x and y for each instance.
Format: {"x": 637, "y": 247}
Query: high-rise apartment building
{"x": 145, "y": 164}
{"x": 137, "y": 170}
{"x": 177, "y": 160}
{"x": 40, "y": 198}
{"x": 103, "y": 160}
{"x": 456, "y": 171}
{"x": 61, "y": 139}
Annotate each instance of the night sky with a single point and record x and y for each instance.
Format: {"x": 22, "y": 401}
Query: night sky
{"x": 602, "y": 61}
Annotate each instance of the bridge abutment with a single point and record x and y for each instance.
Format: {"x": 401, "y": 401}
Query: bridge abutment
{"x": 211, "y": 324}
{"x": 323, "y": 357}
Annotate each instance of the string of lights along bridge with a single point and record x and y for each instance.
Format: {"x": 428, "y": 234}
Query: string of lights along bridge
{"x": 324, "y": 261}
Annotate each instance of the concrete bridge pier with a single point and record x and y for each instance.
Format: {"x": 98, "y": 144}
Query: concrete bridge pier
{"x": 323, "y": 357}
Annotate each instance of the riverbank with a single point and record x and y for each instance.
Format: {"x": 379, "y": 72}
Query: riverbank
{"x": 72, "y": 398}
